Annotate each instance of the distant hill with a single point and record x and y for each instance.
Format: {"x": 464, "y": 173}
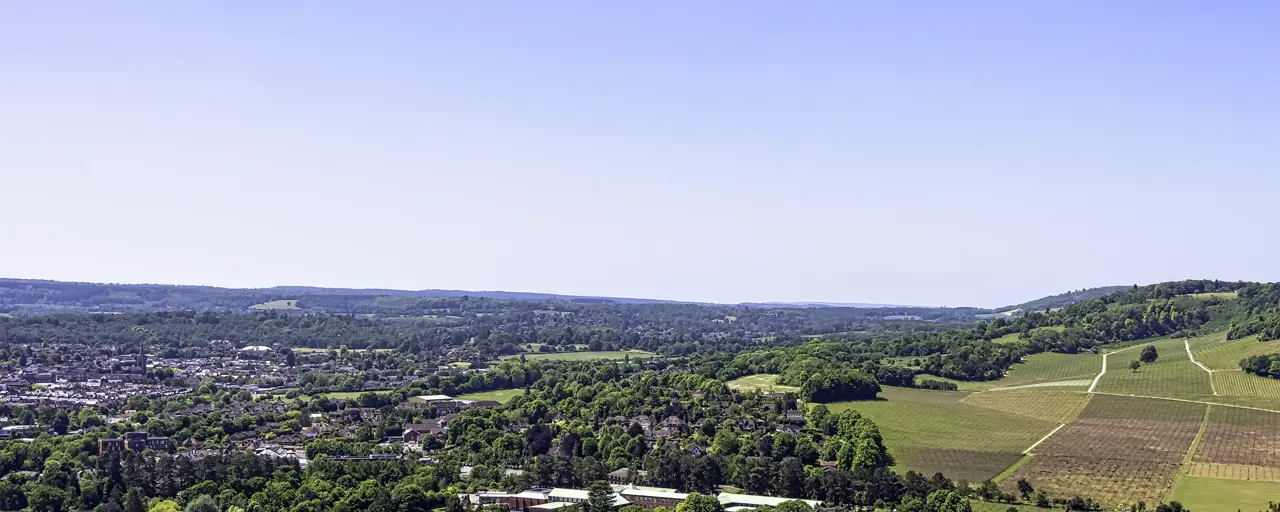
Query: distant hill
{"x": 1063, "y": 299}
{"x": 824, "y": 305}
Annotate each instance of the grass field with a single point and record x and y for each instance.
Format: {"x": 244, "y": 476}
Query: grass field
{"x": 1048, "y": 367}
{"x": 1226, "y": 355}
{"x": 1172, "y": 375}
{"x": 984, "y": 506}
{"x": 766, "y": 382}
{"x": 931, "y": 431}
{"x": 586, "y": 356}
{"x": 1040, "y": 403}
{"x": 1012, "y": 337}
{"x": 277, "y": 304}
{"x": 460, "y": 364}
{"x": 1118, "y": 450}
{"x": 1196, "y": 493}
{"x": 501, "y": 395}
{"x": 1214, "y": 295}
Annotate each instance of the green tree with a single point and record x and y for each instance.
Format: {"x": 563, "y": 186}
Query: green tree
{"x": 1025, "y": 488}
{"x": 1134, "y": 365}
{"x": 1149, "y": 354}
{"x": 165, "y": 506}
{"x": 943, "y": 500}
{"x": 599, "y": 497}
{"x": 698, "y": 502}
{"x": 203, "y": 503}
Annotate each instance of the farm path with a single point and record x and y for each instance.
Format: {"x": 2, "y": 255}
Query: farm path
{"x": 1104, "y": 366}
{"x": 1187, "y": 344}
{"x": 1187, "y": 401}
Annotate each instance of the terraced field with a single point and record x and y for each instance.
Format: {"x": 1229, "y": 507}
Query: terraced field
{"x": 1045, "y": 404}
{"x": 1172, "y": 375}
{"x": 1119, "y": 450}
{"x": 931, "y": 431}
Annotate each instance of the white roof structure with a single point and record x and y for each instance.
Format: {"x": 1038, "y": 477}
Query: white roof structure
{"x": 255, "y": 348}
{"x": 730, "y": 500}
{"x": 581, "y": 496}
{"x": 434, "y": 398}
{"x": 551, "y": 505}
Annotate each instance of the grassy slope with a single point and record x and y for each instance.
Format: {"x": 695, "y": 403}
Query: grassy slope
{"x": 766, "y": 382}
{"x": 1223, "y": 355}
{"x": 930, "y": 431}
{"x": 1172, "y": 375}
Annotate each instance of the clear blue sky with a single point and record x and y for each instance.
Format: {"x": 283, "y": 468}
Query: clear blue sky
{"x": 942, "y": 153}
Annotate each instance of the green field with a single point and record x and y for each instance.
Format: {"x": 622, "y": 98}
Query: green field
{"x": 277, "y": 304}
{"x": 766, "y": 382}
{"x": 1052, "y": 367}
{"x": 460, "y": 364}
{"x": 1226, "y": 355}
{"x": 985, "y": 506}
{"x": 501, "y": 395}
{"x": 586, "y": 356}
{"x": 1196, "y": 493}
{"x": 1172, "y": 375}
{"x": 1047, "y": 404}
{"x": 1214, "y": 295}
{"x": 932, "y": 431}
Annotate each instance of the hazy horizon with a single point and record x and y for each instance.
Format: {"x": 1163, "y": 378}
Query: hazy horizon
{"x": 925, "y": 153}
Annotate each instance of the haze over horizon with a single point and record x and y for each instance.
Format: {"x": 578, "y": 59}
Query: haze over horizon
{"x": 923, "y": 153}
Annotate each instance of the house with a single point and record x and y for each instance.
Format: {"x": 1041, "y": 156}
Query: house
{"x": 134, "y": 442}
{"x": 628, "y": 476}
{"x": 737, "y": 502}
{"x": 675, "y": 423}
{"x": 416, "y": 432}
{"x": 794, "y": 415}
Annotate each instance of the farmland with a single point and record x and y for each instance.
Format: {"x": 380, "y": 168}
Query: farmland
{"x": 931, "y": 431}
{"x": 501, "y": 395}
{"x": 1239, "y": 383}
{"x": 1173, "y": 374}
{"x": 766, "y": 382}
{"x": 1240, "y": 437}
{"x": 1119, "y": 450}
{"x": 1046, "y": 404}
{"x": 1227, "y": 355}
{"x": 1052, "y": 367}
{"x": 586, "y": 356}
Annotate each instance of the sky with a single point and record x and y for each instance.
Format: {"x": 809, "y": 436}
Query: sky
{"x": 919, "y": 152}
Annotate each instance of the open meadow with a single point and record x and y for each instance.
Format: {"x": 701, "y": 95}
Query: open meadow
{"x": 765, "y": 382}
{"x": 1210, "y": 494}
{"x": 277, "y": 304}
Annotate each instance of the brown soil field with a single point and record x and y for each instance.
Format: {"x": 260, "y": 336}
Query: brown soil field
{"x": 1118, "y": 450}
{"x": 1240, "y": 436}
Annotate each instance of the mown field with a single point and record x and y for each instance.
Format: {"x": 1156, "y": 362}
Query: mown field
{"x": 586, "y": 356}
{"x": 500, "y": 396}
{"x": 932, "y": 431}
{"x": 1210, "y": 494}
{"x": 348, "y": 395}
{"x": 1172, "y": 375}
{"x": 1118, "y": 450}
{"x": 766, "y": 382}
